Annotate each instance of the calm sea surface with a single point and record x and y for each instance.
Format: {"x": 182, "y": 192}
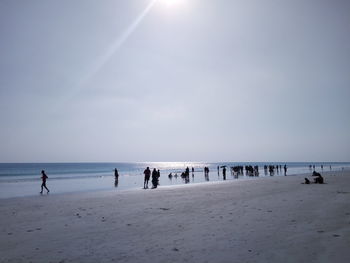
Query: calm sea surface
{"x": 23, "y": 179}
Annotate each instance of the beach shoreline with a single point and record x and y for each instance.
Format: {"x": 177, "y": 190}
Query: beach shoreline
{"x": 269, "y": 219}
{"x": 15, "y": 181}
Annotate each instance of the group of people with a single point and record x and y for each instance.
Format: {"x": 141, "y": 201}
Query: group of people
{"x": 253, "y": 171}
{"x": 155, "y": 178}
{"x": 317, "y": 180}
{"x": 314, "y": 167}
{"x": 273, "y": 168}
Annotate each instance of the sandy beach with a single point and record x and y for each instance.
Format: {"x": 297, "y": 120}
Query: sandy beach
{"x": 272, "y": 219}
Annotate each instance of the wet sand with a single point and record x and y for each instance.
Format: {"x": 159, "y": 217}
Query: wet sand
{"x": 273, "y": 219}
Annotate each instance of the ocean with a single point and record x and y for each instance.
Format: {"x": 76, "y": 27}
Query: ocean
{"x": 23, "y": 179}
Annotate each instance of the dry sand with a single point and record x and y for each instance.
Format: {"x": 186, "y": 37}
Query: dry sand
{"x": 275, "y": 219}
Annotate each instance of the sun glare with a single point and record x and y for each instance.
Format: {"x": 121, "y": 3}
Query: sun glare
{"x": 173, "y": 3}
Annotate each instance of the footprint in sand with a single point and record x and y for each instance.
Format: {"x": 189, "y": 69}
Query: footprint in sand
{"x": 320, "y": 231}
{"x": 335, "y": 235}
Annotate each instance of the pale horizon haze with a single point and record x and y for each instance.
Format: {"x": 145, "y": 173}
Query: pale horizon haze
{"x": 174, "y": 80}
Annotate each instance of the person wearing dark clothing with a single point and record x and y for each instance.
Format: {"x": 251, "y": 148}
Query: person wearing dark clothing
{"x": 187, "y": 172}
{"x": 224, "y": 173}
{"x": 43, "y": 184}
{"x": 147, "y": 174}
{"x": 319, "y": 179}
{"x": 154, "y": 178}
{"x": 116, "y": 174}
{"x": 285, "y": 169}
{"x": 116, "y": 177}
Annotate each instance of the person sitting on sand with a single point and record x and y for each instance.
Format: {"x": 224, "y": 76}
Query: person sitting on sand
{"x": 43, "y": 184}
{"x": 319, "y": 179}
{"x": 147, "y": 173}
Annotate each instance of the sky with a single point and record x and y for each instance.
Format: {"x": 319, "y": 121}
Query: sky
{"x": 174, "y": 80}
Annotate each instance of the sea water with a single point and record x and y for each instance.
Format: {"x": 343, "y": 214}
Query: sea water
{"x": 23, "y": 179}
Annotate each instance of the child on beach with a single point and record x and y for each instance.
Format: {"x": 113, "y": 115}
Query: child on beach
{"x": 43, "y": 184}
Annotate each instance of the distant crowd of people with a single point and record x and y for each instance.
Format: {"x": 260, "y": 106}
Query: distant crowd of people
{"x": 185, "y": 175}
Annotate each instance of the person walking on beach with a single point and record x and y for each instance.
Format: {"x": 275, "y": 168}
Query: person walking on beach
{"x": 43, "y": 184}
{"x": 224, "y": 173}
{"x": 147, "y": 173}
{"x": 285, "y": 169}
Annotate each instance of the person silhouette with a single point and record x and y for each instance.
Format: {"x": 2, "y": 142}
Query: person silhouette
{"x": 116, "y": 175}
{"x": 154, "y": 178}
{"x": 224, "y": 173}
{"x": 43, "y": 184}
{"x": 147, "y": 173}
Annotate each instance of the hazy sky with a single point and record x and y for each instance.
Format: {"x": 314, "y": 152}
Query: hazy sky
{"x": 190, "y": 80}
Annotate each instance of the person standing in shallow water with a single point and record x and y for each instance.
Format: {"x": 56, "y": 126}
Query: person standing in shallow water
{"x": 43, "y": 184}
{"x": 154, "y": 178}
{"x": 116, "y": 174}
{"x": 147, "y": 173}
{"x": 116, "y": 177}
